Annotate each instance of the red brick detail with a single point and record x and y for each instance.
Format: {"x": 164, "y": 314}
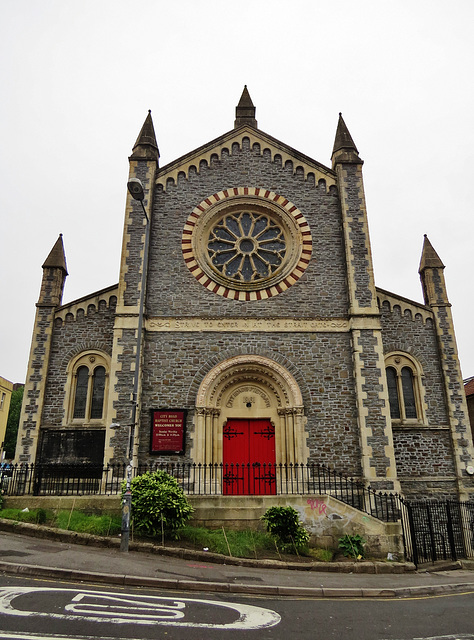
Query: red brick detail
{"x": 200, "y": 208}
{"x": 216, "y": 196}
{"x": 257, "y": 191}
{"x": 189, "y": 259}
{"x": 236, "y": 191}
{"x": 193, "y": 268}
{"x": 187, "y": 232}
{"x": 208, "y": 201}
{"x": 293, "y": 208}
{"x": 247, "y": 295}
{"x": 246, "y": 191}
{"x": 259, "y": 295}
{"x": 278, "y": 288}
{"x": 207, "y": 283}
{"x": 276, "y": 197}
{"x": 236, "y": 295}
{"x": 216, "y": 288}
{"x": 266, "y": 194}
{"x": 284, "y": 203}
{"x": 195, "y": 215}
{"x": 226, "y": 193}
{"x": 269, "y": 292}
{"x": 286, "y": 282}
{"x": 226, "y": 293}
{"x": 300, "y": 215}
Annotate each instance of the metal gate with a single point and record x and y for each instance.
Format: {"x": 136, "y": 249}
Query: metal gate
{"x": 436, "y": 530}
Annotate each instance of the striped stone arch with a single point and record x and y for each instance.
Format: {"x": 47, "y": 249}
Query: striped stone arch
{"x": 295, "y": 228}
{"x": 274, "y": 394}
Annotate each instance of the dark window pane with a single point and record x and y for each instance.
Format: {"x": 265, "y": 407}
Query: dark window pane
{"x": 408, "y": 393}
{"x": 80, "y": 400}
{"x": 393, "y": 393}
{"x": 98, "y": 386}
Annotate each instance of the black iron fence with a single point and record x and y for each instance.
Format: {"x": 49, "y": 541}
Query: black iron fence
{"x": 206, "y": 479}
{"x": 438, "y": 530}
{"x": 432, "y": 530}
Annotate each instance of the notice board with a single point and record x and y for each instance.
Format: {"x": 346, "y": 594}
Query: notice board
{"x": 168, "y": 430}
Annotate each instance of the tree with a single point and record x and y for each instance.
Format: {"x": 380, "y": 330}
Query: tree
{"x": 13, "y": 422}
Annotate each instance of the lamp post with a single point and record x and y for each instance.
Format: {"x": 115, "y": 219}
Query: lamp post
{"x": 135, "y": 189}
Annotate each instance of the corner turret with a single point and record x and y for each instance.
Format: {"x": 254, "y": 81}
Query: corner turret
{"x": 245, "y": 111}
{"x": 146, "y": 147}
{"x": 344, "y": 150}
{"x": 431, "y": 272}
{"x": 54, "y": 276}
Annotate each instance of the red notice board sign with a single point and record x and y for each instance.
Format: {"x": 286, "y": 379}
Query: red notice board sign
{"x": 167, "y": 430}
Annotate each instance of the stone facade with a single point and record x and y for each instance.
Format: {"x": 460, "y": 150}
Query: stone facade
{"x": 247, "y": 294}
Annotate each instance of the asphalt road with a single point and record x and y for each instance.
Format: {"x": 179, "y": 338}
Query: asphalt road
{"x": 36, "y": 610}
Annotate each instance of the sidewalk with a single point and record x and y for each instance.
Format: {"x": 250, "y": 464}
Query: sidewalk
{"x": 35, "y": 555}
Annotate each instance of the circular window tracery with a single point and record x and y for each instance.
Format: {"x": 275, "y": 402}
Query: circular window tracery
{"x": 246, "y": 246}
{"x": 246, "y": 243}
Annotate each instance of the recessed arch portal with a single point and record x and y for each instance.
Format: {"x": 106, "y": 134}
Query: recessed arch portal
{"x": 249, "y": 387}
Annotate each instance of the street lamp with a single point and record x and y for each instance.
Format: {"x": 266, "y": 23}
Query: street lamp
{"x": 135, "y": 188}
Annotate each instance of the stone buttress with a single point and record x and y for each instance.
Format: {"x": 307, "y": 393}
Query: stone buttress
{"x": 376, "y": 441}
{"x": 51, "y": 293}
{"x": 143, "y": 165}
{"x": 434, "y": 290}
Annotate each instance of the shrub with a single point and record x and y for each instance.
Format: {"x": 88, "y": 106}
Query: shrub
{"x": 158, "y": 501}
{"x": 352, "y": 546}
{"x": 284, "y": 524}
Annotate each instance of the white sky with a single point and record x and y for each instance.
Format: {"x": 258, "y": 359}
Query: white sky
{"x": 78, "y": 76}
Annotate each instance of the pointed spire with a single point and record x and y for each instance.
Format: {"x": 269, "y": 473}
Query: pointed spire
{"x": 344, "y": 149}
{"x": 57, "y": 258}
{"x": 245, "y": 111}
{"x": 146, "y": 147}
{"x": 429, "y": 258}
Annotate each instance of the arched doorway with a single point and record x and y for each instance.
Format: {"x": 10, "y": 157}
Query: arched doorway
{"x": 250, "y": 418}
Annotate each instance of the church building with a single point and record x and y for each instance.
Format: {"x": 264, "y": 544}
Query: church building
{"x": 246, "y": 332}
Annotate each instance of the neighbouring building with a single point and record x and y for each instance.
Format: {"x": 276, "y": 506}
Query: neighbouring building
{"x": 469, "y": 391}
{"x": 264, "y": 339}
{"x": 6, "y": 388}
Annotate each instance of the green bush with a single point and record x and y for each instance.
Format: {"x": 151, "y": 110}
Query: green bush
{"x": 158, "y": 501}
{"x": 284, "y": 524}
{"x": 352, "y": 546}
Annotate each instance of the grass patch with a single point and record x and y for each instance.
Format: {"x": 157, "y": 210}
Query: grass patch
{"x": 35, "y": 516}
{"x": 104, "y": 525}
{"x": 239, "y": 544}
{"x": 242, "y": 544}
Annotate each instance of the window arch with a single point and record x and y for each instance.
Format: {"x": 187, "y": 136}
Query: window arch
{"x": 88, "y": 386}
{"x": 404, "y": 388}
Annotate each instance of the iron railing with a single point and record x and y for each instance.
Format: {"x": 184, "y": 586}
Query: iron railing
{"x": 438, "y": 530}
{"x": 206, "y": 479}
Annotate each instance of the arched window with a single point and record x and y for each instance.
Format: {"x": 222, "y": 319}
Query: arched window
{"x": 404, "y": 387}
{"x": 88, "y": 387}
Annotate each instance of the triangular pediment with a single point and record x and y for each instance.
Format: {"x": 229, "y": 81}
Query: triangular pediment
{"x": 255, "y": 136}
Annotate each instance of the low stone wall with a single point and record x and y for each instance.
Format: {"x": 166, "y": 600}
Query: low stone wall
{"x": 326, "y": 518}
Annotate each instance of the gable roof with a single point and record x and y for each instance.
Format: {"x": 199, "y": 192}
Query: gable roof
{"x": 256, "y": 136}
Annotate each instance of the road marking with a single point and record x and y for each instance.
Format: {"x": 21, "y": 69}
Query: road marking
{"x": 455, "y": 636}
{"x": 140, "y": 609}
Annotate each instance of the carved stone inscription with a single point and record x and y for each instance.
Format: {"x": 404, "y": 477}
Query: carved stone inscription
{"x": 246, "y": 324}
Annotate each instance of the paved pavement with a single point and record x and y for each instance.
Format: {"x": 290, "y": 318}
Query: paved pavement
{"x": 33, "y": 553}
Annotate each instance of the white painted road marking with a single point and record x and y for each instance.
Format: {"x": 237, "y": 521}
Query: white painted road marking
{"x": 121, "y": 609}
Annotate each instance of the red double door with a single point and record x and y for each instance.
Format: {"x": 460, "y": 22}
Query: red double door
{"x": 249, "y": 457}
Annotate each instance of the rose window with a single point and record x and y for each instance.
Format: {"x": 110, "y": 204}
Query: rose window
{"x": 246, "y": 246}
{"x": 246, "y": 243}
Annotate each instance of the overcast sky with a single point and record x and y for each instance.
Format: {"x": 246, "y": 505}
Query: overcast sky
{"x": 77, "y": 78}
